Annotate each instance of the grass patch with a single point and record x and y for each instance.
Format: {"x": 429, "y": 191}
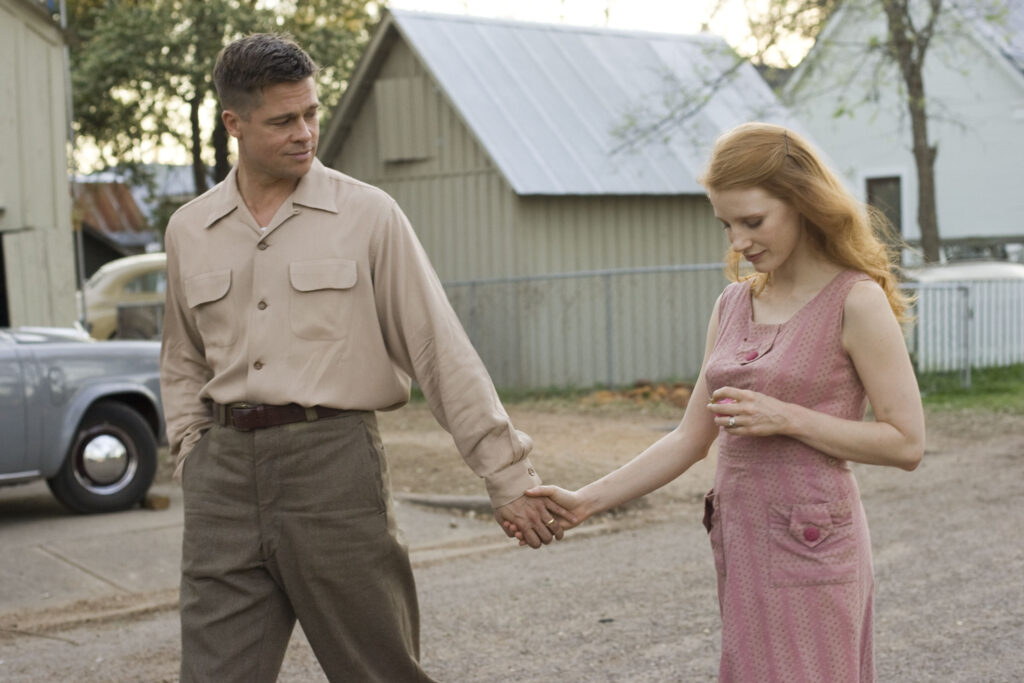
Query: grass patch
{"x": 993, "y": 390}
{"x": 998, "y": 390}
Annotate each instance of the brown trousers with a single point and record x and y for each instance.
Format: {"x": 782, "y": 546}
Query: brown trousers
{"x": 295, "y": 522}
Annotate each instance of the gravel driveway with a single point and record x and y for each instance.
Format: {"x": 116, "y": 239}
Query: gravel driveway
{"x": 631, "y": 596}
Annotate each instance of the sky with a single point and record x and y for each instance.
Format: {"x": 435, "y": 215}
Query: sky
{"x": 666, "y": 16}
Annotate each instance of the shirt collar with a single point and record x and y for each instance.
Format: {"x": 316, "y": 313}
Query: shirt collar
{"x": 224, "y": 198}
{"x": 314, "y": 190}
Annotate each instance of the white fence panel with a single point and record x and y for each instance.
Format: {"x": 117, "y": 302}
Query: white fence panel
{"x": 960, "y": 325}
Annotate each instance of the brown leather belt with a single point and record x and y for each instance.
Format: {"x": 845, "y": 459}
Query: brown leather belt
{"x": 247, "y": 417}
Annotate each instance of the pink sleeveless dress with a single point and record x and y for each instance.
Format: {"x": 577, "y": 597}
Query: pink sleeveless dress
{"x": 787, "y": 528}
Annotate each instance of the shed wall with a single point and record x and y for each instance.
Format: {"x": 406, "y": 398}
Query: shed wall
{"x": 577, "y": 331}
{"x": 38, "y": 270}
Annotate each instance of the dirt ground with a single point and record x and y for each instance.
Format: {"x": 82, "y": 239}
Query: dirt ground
{"x": 635, "y": 602}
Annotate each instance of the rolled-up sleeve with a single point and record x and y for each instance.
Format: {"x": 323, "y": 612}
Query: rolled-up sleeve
{"x": 425, "y": 339}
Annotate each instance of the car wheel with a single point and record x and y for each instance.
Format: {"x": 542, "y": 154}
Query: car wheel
{"x": 111, "y": 463}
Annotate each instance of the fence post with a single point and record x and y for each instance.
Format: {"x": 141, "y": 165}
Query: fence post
{"x": 965, "y": 376}
{"x": 609, "y": 329}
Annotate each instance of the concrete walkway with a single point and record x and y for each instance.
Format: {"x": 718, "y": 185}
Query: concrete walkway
{"x": 86, "y": 567}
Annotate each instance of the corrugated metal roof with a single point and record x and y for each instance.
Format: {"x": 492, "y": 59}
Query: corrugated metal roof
{"x": 110, "y": 208}
{"x": 544, "y": 100}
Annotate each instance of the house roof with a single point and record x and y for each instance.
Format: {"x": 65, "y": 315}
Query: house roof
{"x": 1001, "y": 31}
{"x": 109, "y": 209}
{"x": 543, "y": 100}
{"x": 1006, "y": 31}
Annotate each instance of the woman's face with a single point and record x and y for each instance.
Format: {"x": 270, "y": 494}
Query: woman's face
{"x": 763, "y": 229}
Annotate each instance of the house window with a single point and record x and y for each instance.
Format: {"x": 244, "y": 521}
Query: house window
{"x": 884, "y": 195}
{"x": 403, "y": 121}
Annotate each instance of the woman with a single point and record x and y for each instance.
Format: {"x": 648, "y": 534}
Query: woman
{"x": 794, "y": 352}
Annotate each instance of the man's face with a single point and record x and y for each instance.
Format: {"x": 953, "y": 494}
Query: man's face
{"x": 277, "y": 139}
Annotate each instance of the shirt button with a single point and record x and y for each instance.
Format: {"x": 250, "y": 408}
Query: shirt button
{"x": 531, "y": 472}
{"x": 262, "y": 245}
{"x": 261, "y": 305}
{"x": 258, "y": 365}
{"x": 811, "y": 534}
{"x": 752, "y": 355}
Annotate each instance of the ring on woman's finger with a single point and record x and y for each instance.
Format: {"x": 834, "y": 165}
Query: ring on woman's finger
{"x": 731, "y": 422}
{"x": 549, "y": 522}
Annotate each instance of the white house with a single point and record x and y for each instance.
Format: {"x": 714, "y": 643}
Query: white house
{"x": 850, "y": 100}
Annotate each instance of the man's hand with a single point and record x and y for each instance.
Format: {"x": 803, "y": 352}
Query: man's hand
{"x": 538, "y": 520}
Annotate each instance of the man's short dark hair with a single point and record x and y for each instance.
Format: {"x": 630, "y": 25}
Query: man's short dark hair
{"x": 248, "y": 65}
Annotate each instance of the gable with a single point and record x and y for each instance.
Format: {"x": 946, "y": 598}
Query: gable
{"x": 543, "y": 101}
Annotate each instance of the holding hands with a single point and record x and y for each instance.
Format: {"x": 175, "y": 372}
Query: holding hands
{"x": 534, "y": 521}
{"x": 739, "y": 411}
{"x": 570, "y": 503}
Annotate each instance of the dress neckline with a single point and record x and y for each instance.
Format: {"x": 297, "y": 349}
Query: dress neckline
{"x": 750, "y": 302}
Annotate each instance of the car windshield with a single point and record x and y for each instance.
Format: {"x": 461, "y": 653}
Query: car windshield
{"x": 147, "y": 282}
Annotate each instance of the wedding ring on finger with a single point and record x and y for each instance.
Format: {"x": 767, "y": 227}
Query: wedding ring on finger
{"x": 731, "y": 422}
{"x": 549, "y": 522}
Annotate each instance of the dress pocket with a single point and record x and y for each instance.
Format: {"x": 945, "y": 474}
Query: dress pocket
{"x": 713, "y": 523}
{"x": 207, "y": 296}
{"x": 321, "y": 300}
{"x": 758, "y": 343}
{"x": 812, "y": 543}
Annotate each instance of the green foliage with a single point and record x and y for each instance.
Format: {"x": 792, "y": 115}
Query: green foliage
{"x": 138, "y": 66}
{"x": 997, "y": 390}
{"x": 334, "y": 33}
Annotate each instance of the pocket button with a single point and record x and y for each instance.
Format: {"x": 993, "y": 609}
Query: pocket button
{"x": 811, "y": 534}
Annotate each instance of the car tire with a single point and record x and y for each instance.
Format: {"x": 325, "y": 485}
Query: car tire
{"x": 111, "y": 463}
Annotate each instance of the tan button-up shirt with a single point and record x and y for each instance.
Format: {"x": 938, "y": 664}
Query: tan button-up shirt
{"x": 334, "y": 303}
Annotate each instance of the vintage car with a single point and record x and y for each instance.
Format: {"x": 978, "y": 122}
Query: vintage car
{"x": 84, "y": 415}
{"x": 131, "y": 282}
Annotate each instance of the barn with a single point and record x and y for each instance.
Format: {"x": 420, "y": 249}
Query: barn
{"x": 573, "y": 255}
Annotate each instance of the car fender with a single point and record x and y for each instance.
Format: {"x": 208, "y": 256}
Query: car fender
{"x": 143, "y": 398}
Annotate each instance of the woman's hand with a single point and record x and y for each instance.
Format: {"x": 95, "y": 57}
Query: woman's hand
{"x": 570, "y": 503}
{"x": 749, "y": 413}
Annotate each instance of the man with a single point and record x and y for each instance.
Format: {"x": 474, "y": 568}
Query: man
{"x": 299, "y": 302}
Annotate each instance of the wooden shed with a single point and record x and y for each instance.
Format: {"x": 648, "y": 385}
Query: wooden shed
{"x": 569, "y": 262}
{"x": 37, "y": 268}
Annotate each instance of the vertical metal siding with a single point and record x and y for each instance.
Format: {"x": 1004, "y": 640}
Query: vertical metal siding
{"x": 548, "y": 332}
{"x": 35, "y": 227}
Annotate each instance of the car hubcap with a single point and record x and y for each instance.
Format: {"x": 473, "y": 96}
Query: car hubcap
{"x": 106, "y": 462}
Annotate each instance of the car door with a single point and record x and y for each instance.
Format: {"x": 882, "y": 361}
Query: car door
{"x": 12, "y": 411}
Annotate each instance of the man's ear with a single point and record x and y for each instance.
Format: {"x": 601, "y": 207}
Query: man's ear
{"x": 231, "y": 121}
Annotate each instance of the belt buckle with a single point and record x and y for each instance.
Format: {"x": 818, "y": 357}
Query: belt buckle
{"x": 244, "y": 405}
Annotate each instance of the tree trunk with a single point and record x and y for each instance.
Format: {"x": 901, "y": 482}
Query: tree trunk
{"x": 908, "y": 46}
{"x": 924, "y": 157}
{"x": 198, "y": 167}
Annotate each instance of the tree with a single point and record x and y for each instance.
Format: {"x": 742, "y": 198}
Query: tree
{"x": 908, "y": 45}
{"x": 142, "y": 69}
{"x": 912, "y": 27}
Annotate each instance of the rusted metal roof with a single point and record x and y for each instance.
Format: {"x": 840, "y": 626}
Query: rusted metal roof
{"x": 110, "y": 209}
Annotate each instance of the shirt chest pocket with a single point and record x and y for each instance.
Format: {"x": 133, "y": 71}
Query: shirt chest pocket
{"x": 321, "y": 298}
{"x": 207, "y": 298}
